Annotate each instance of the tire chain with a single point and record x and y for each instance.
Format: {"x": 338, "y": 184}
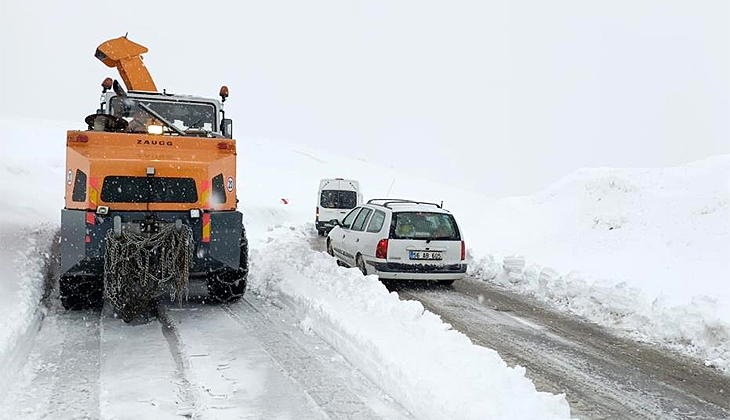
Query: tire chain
{"x": 139, "y": 268}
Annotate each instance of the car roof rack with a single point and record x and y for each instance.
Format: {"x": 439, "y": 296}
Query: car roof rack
{"x": 386, "y": 202}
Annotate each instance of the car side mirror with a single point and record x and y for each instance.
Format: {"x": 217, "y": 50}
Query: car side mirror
{"x": 336, "y": 222}
{"x": 227, "y": 128}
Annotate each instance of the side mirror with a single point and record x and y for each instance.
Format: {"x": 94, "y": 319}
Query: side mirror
{"x": 227, "y": 128}
{"x": 336, "y": 222}
{"x": 118, "y": 89}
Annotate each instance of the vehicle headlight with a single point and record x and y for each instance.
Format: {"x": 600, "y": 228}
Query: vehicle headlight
{"x": 154, "y": 129}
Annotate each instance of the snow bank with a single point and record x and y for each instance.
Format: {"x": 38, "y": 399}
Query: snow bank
{"x": 433, "y": 370}
{"x": 23, "y": 257}
{"x": 31, "y": 196}
{"x": 645, "y": 251}
{"x": 666, "y": 230}
{"x": 695, "y": 329}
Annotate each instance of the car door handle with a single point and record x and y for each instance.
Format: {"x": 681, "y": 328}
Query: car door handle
{"x": 343, "y": 236}
{"x": 357, "y": 240}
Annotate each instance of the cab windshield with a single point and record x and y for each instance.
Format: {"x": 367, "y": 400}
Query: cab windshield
{"x": 189, "y": 117}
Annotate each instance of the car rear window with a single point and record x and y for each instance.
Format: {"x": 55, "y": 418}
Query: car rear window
{"x": 338, "y": 199}
{"x": 137, "y": 189}
{"x": 424, "y": 225}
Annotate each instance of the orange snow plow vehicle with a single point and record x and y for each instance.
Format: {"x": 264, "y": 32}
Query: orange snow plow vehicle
{"x": 150, "y": 195}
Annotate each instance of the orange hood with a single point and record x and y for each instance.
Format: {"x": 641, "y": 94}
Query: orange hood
{"x": 100, "y": 154}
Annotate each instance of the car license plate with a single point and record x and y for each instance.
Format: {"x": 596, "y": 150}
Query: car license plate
{"x": 426, "y": 255}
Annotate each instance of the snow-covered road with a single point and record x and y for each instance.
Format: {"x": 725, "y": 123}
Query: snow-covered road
{"x": 288, "y": 350}
{"x": 309, "y": 340}
{"x": 244, "y": 360}
{"x": 603, "y": 376}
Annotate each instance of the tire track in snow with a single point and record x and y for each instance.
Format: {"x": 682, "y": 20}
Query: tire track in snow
{"x": 60, "y": 378}
{"x": 551, "y": 370}
{"x": 336, "y": 386}
{"x": 189, "y": 405}
{"x": 139, "y": 376}
{"x": 229, "y": 370}
{"x": 89, "y": 364}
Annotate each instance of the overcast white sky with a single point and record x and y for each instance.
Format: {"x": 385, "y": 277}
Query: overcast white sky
{"x": 503, "y": 97}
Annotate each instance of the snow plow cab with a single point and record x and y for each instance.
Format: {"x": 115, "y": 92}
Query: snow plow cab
{"x": 150, "y": 195}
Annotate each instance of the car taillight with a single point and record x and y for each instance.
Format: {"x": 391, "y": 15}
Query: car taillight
{"x": 317, "y": 212}
{"x": 381, "y": 251}
{"x": 463, "y": 251}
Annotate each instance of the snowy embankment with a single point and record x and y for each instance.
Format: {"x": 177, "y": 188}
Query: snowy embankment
{"x": 23, "y": 257}
{"x": 31, "y": 195}
{"x": 644, "y": 251}
{"x": 432, "y": 370}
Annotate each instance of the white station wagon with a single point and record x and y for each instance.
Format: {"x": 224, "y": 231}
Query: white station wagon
{"x": 400, "y": 239}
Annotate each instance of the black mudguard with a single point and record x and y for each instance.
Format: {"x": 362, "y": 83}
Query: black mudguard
{"x": 73, "y": 236}
{"x": 225, "y": 237}
{"x": 83, "y": 235}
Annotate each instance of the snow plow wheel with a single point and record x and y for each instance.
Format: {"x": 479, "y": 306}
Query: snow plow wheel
{"x": 78, "y": 292}
{"x": 229, "y": 285}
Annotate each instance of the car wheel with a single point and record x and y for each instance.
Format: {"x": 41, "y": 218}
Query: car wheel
{"x": 329, "y": 248}
{"x": 361, "y": 265}
{"x": 446, "y": 282}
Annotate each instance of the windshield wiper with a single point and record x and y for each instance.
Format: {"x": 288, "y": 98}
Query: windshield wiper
{"x": 195, "y": 125}
{"x": 161, "y": 118}
{"x": 208, "y": 133}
